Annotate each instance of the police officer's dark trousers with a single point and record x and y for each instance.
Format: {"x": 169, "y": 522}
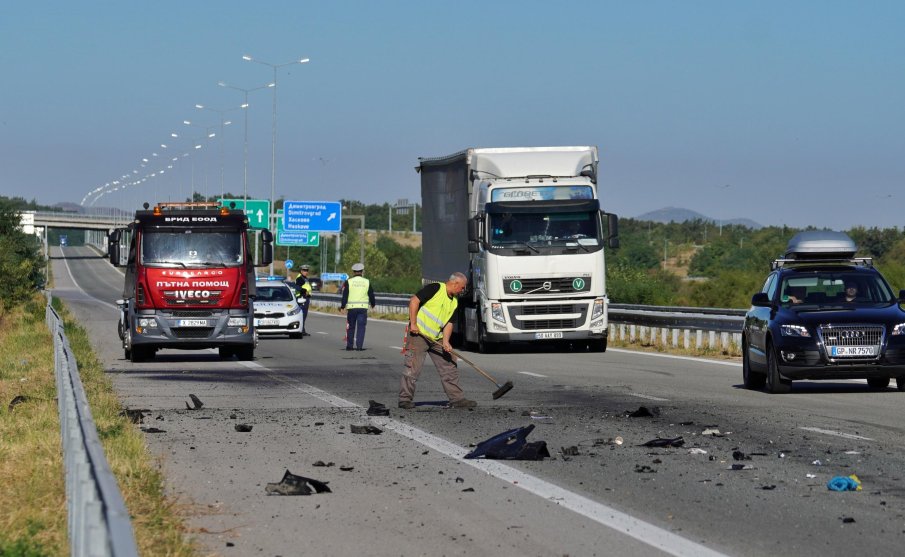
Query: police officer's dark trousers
{"x": 358, "y": 320}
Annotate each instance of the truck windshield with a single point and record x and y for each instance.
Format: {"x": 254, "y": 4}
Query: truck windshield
{"x": 544, "y": 228}
{"x": 192, "y": 249}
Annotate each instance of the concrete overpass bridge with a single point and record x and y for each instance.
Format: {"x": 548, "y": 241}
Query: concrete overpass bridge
{"x": 95, "y": 226}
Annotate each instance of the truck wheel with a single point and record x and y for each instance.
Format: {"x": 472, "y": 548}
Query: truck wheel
{"x": 225, "y": 352}
{"x": 245, "y": 353}
{"x": 484, "y": 345}
{"x": 140, "y": 354}
{"x": 775, "y": 383}
{"x": 878, "y": 383}
{"x": 597, "y": 345}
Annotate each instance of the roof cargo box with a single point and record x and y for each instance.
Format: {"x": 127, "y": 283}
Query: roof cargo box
{"x": 821, "y": 244}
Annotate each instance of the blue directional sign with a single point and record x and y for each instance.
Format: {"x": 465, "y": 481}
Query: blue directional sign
{"x": 334, "y": 276}
{"x": 300, "y": 239}
{"x": 323, "y": 216}
{"x": 289, "y": 263}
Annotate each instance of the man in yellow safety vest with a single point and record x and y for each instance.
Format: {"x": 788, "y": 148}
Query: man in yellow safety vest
{"x": 358, "y": 294}
{"x": 430, "y": 326}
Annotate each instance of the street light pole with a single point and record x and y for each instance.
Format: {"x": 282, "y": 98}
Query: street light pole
{"x": 208, "y": 134}
{"x": 273, "y": 140}
{"x": 223, "y": 123}
{"x": 721, "y": 217}
{"x": 245, "y": 150}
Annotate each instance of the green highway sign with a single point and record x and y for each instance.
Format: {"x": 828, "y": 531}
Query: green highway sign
{"x": 305, "y": 239}
{"x": 257, "y": 210}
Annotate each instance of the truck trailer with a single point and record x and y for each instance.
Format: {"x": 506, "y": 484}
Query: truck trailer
{"x": 189, "y": 280}
{"x": 525, "y": 225}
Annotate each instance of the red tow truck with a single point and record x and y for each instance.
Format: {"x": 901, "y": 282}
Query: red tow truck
{"x": 189, "y": 280}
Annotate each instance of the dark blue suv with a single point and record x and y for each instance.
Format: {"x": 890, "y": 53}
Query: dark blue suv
{"x": 823, "y": 314}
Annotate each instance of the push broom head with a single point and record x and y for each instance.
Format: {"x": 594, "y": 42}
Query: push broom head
{"x": 505, "y": 388}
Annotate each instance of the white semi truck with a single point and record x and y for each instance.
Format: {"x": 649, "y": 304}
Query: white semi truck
{"x": 526, "y": 226}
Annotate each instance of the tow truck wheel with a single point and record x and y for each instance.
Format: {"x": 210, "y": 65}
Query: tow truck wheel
{"x": 225, "y": 352}
{"x": 245, "y": 353}
{"x": 775, "y": 383}
{"x": 140, "y": 354}
{"x": 878, "y": 383}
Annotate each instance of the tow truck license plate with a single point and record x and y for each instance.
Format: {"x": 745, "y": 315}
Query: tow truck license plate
{"x": 192, "y": 323}
{"x": 853, "y": 351}
{"x": 547, "y": 335}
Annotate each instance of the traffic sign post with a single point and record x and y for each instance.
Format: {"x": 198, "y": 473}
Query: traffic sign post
{"x": 334, "y": 276}
{"x": 257, "y": 210}
{"x": 322, "y": 216}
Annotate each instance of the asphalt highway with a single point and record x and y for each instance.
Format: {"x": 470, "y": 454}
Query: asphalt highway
{"x": 408, "y": 491}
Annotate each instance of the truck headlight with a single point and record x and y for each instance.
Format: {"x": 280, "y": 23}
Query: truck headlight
{"x": 794, "y": 331}
{"x": 294, "y": 311}
{"x": 899, "y": 329}
{"x": 147, "y": 323}
{"x": 598, "y": 309}
{"x": 237, "y": 322}
{"x": 496, "y": 311}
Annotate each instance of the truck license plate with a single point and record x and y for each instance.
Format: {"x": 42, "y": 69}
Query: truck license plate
{"x": 853, "y": 351}
{"x": 547, "y": 335}
{"x": 192, "y": 323}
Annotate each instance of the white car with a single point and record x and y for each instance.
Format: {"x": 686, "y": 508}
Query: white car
{"x": 276, "y": 310}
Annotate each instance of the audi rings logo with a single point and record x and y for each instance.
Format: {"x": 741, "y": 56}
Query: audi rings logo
{"x": 851, "y": 334}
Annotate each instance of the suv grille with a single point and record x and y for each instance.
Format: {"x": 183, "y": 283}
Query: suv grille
{"x": 852, "y": 335}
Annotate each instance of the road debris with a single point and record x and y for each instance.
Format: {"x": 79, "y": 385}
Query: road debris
{"x": 377, "y": 409}
{"x": 243, "y": 428}
{"x": 196, "y": 403}
{"x": 569, "y": 451}
{"x": 135, "y": 416}
{"x": 511, "y": 445}
{"x": 19, "y": 399}
{"x": 739, "y": 455}
{"x": 365, "y": 429}
{"x": 347, "y": 468}
{"x": 712, "y": 431}
{"x": 658, "y": 442}
{"x": 696, "y": 450}
{"x": 152, "y": 430}
{"x": 844, "y": 483}
{"x": 644, "y": 469}
{"x": 322, "y": 463}
{"x": 740, "y": 467}
{"x": 644, "y": 412}
{"x": 847, "y": 519}
{"x": 296, "y": 485}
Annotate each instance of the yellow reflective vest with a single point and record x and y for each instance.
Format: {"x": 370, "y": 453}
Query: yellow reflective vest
{"x": 358, "y": 293}
{"x": 435, "y": 313}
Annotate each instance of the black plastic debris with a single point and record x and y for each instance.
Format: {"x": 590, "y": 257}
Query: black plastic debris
{"x": 135, "y": 416}
{"x": 740, "y": 467}
{"x": 322, "y": 463}
{"x": 770, "y": 487}
{"x": 644, "y": 469}
{"x": 196, "y": 403}
{"x": 644, "y": 412}
{"x": 471, "y": 490}
{"x": 511, "y": 445}
{"x": 460, "y": 480}
{"x": 19, "y": 399}
{"x": 847, "y": 520}
{"x": 377, "y": 409}
{"x": 365, "y": 429}
{"x": 296, "y": 485}
{"x": 658, "y": 442}
{"x": 243, "y": 428}
{"x": 347, "y": 468}
{"x": 569, "y": 451}
{"x": 739, "y": 455}
{"x": 153, "y": 430}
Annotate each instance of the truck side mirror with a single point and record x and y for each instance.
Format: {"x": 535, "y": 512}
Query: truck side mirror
{"x": 612, "y": 224}
{"x": 474, "y": 234}
{"x": 113, "y": 247}
{"x": 266, "y": 248}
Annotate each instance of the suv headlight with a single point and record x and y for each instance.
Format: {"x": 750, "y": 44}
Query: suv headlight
{"x": 899, "y": 329}
{"x": 496, "y": 311}
{"x": 794, "y": 331}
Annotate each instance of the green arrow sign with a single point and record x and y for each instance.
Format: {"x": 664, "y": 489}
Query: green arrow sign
{"x": 305, "y": 239}
{"x": 258, "y": 210}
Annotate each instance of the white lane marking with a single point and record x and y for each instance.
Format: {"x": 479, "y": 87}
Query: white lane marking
{"x": 396, "y": 347}
{"x": 532, "y": 374}
{"x": 321, "y": 333}
{"x": 103, "y": 303}
{"x": 649, "y": 397}
{"x": 626, "y": 524}
{"x": 836, "y": 433}
{"x": 674, "y": 357}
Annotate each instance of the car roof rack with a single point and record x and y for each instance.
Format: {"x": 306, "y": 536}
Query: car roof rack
{"x": 822, "y": 247}
{"x": 856, "y": 261}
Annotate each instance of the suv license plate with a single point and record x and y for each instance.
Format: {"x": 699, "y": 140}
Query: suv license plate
{"x": 842, "y": 351}
{"x": 192, "y": 323}
{"x": 547, "y": 335}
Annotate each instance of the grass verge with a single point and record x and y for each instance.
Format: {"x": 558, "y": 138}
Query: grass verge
{"x": 33, "y": 508}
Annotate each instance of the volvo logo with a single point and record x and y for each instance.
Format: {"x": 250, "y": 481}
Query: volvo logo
{"x": 547, "y": 285}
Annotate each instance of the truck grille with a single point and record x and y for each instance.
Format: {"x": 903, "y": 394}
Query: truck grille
{"x": 548, "y": 324}
{"x": 193, "y": 332}
{"x": 561, "y": 316}
{"x": 547, "y": 310}
{"x": 538, "y": 286}
{"x": 193, "y": 313}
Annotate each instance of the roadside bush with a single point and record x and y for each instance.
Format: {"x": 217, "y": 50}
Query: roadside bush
{"x": 21, "y": 264}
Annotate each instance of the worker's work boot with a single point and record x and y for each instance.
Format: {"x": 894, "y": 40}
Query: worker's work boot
{"x": 462, "y": 403}
{"x": 406, "y": 404}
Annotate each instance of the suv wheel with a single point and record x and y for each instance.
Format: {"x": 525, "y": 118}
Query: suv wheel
{"x": 775, "y": 383}
{"x": 878, "y": 383}
{"x": 751, "y": 379}
{"x": 900, "y": 383}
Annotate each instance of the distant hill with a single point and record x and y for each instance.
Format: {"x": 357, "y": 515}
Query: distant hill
{"x": 677, "y": 214}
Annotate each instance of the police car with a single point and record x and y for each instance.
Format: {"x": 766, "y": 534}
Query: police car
{"x": 276, "y": 310}
{"x": 823, "y": 313}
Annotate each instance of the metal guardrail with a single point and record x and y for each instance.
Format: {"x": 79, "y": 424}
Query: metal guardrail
{"x": 99, "y": 524}
{"x": 720, "y": 320}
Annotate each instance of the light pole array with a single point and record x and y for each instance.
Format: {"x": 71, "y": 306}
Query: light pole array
{"x": 208, "y": 134}
{"x": 273, "y": 157}
{"x": 245, "y": 106}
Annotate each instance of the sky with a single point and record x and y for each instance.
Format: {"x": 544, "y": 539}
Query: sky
{"x": 783, "y": 112}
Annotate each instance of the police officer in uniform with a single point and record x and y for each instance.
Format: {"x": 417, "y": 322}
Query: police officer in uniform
{"x": 358, "y": 294}
{"x": 430, "y": 327}
{"x": 303, "y": 287}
